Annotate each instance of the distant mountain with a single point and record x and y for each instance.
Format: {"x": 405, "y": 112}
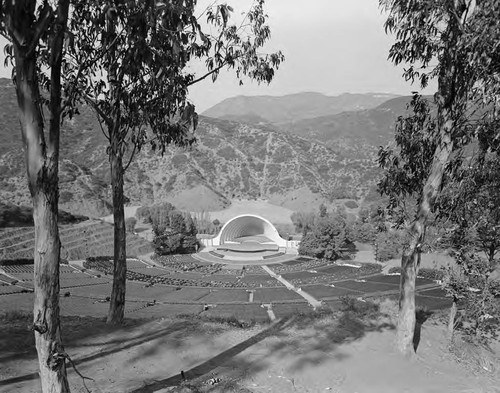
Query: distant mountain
{"x": 351, "y": 130}
{"x": 230, "y": 160}
{"x": 293, "y": 107}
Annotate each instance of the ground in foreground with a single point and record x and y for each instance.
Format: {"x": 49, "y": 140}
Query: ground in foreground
{"x": 347, "y": 351}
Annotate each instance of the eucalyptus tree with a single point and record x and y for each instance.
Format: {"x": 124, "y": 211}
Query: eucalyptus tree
{"x": 429, "y": 39}
{"x": 129, "y": 62}
{"x": 36, "y": 35}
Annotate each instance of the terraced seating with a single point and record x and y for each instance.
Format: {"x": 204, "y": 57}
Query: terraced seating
{"x": 185, "y": 262}
{"x": 216, "y": 254}
{"x": 299, "y": 264}
{"x": 17, "y": 240}
{"x": 105, "y": 265}
{"x": 10, "y": 289}
{"x": 278, "y": 254}
{"x": 7, "y": 280}
{"x": 331, "y": 273}
{"x": 89, "y": 238}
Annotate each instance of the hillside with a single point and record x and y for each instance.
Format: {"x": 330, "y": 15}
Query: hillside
{"x": 293, "y": 107}
{"x": 231, "y": 160}
{"x": 351, "y": 130}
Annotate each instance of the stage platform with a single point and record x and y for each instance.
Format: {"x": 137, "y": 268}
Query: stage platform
{"x": 247, "y": 250}
{"x": 248, "y": 247}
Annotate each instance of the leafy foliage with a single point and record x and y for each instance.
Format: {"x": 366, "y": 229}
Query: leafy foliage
{"x": 328, "y": 238}
{"x": 174, "y": 231}
{"x": 408, "y": 166}
{"x": 471, "y": 286}
{"x": 472, "y": 207}
{"x": 303, "y": 221}
{"x": 130, "y": 224}
{"x": 387, "y": 246}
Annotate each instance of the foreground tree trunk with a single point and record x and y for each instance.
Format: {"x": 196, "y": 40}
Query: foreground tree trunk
{"x": 451, "y": 320}
{"x": 411, "y": 255}
{"x": 42, "y": 163}
{"x": 117, "y": 304}
{"x": 116, "y": 148}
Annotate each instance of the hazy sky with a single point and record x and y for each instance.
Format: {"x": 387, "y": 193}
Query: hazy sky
{"x": 331, "y": 46}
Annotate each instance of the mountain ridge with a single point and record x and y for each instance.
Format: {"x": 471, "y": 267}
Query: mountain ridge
{"x": 231, "y": 160}
{"x": 294, "y": 107}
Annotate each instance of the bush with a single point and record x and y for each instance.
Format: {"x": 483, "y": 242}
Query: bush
{"x": 387, "y": 246}
{"x": 327, "y": 239}
{"x": 395, "y": 269}
{"x": 18, "y": 261}
{"x": 65, "y": 196}
{"x": 351, "y": 204}
{"x": 429, "y": 274}
{"x": 130, "y": 224}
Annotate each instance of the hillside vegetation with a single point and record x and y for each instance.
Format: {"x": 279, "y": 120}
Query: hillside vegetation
{"x": 231, "y": 160}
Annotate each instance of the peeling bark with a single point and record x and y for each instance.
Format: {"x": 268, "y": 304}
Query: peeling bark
{"x": 42, "y": 166}
{"x": 451, "y": 320}
{"x": 117, "y": 303}
{"x": 449, "y": 99}
{"x": 411, "y": 255}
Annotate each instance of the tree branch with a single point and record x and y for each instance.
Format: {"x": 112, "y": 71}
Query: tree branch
{"x": 107, "y": 120}
{"x": 131, "y": 158}
{"x": 207, "y": 74}
{"x": 46, "y": 16}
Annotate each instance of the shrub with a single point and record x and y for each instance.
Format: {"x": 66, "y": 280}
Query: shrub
{"x": 327, "y": 239}
{"x": 351, "y": 204}
{"x": 430, "y": 274}
{"x": 130, "y": 224}
{"x": 395, "y": 269}
{"x": 65, "y": 196}
{"x": 387, "y": 246}
{"x": 17, "y": 261}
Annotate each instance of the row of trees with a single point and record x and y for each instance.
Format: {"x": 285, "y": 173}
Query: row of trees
{"x": 331, "y": 235}
{"x": 205, "y": 224}
{"x": 455, "y": 42}
{"x": 127, "y": 61}
{"x": 174, "y": 231}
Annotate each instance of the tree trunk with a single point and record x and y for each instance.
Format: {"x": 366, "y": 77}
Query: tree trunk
{"x": 117, "y": 304}
{"x": 451, "y": 320}
{"x": 42, "y": 165}
{"x": 407, "y": 316}
{"x": 411, "y": 258}
{"x": 116, "y": 140}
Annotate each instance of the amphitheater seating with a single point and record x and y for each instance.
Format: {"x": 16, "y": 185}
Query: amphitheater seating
{"x": 186, "y": 263}
{"x": 89, "y": 238}
{"x": 105, "y": 265}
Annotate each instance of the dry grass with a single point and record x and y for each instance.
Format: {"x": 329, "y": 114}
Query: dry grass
{"x": 474, "y": 355}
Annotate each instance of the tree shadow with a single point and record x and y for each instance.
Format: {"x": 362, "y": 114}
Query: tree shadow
{"x": 309, "y": 339}
{"x": 421, "y": 316}
{"x": 82, "y": 329}
{"x": 305, "y": 340}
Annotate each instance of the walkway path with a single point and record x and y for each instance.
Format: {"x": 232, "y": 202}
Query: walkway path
{"x": 310, "y": 299}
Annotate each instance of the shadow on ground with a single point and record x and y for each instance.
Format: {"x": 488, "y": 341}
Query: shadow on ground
{"x": 83, "y": 334}
{"x": 311, "y": 338}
